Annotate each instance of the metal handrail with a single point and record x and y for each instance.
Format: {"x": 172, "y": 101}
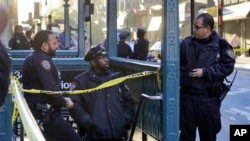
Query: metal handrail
{"x": 140, "y": 105}
{"x": 31, "y": 128}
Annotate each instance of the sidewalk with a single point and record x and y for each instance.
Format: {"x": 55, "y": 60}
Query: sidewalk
{"x": 243, "y": 62}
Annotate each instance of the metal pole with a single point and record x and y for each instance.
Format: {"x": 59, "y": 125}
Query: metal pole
{"x": 81, "y": 41}
{"x": 66, "y": 24}
{"x": 112, "y": 27}
{"x": 192, "y": 15}
{"x": 220, "y": 17}
{"x": 171, "y": 70}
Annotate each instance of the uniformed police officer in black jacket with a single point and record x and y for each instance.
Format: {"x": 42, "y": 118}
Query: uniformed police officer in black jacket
{"x": 5, "y": 61}
{"x": 19, "y": 41}
{"x": 205, "y": 60}
{"x": 106, "y": 114}
{"x": 39, "y": 72}
{"x": 124, "y": 49}
{"x": 141, "y": 46}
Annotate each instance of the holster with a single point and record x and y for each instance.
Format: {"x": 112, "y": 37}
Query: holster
{"x": 47, "y": 112}
{"x": 220, "y": 91}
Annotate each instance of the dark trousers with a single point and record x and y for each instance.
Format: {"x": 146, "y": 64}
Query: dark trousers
{"x": 59, "y": 129}
{"x": 202, "y": 112}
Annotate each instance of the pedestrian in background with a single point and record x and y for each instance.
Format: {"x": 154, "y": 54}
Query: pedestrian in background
{"x": 39, "y": 72}
{"x": 141, "y": 45}
{"x": 106, "y": 114}
{"x": 19, "y": 41}
{"x": 28, "y": 35}
{"x": 235, "y": 43}
{"x": 5, "y": 61}
{"x": 205, "y": 60}
{"x": 124, "y": 49}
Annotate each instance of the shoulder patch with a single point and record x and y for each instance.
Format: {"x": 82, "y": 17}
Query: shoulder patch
{"x": 230, "y": 53}
{"x": 46, "y": 65}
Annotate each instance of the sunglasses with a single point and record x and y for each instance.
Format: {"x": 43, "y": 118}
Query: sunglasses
{"x": 197, "y": 27}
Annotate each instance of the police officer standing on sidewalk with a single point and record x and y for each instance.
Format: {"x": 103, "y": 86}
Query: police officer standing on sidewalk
{"x": 39, "y": 72}
{"x": 205, "y": 60}
{"x": 105, "y": 115}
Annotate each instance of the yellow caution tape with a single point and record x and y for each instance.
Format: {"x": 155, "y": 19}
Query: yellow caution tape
{"x": 102, "y": 86}
{"x": 158, "y": 77}
{"x": 15, "y": 109}
{"x": 14, "y": 114}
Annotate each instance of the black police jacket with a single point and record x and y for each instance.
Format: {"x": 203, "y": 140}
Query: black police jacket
{"x": 19, "y": 42}
{"x": 39, "y": 72}
{"x": 214, "y": 55}
{"x": 141, "y": 49}
{"x": 124, "y": 50}
{"x": 5, "y": 63}
{"x": 105, "y": 113}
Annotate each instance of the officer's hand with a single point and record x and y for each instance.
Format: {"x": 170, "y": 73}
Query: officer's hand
{"x": 196, "y": 72}
{"x": 69, "y": 103}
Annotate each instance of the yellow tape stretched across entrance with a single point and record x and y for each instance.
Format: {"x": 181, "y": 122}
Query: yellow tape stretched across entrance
{"x": 102, "y": 86}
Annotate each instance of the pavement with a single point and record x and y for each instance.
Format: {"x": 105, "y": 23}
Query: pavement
{"x": 243, "y": 62}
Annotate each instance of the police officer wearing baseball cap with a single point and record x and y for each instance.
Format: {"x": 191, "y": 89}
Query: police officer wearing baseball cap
{"x": 106, "y": 114}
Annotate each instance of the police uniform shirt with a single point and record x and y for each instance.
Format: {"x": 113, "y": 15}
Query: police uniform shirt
{"x": 39, "y": 72}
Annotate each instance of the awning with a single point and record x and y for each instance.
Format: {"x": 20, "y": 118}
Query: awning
{"x": 238, "y": 11}
{"x": 155, "y": 23}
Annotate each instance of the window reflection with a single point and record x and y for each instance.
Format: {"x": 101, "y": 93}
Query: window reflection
{"x": 131, "y": 14}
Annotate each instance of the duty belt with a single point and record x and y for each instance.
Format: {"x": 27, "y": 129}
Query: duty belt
{"x": 211, "y": 92}
{"x": 196, "y": 91}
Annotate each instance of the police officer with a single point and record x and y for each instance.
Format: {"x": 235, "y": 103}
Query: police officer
{"x": 106, "y": 114}
{"x": 39, "y": 72}
{"x": 205, "y": 60}
{"x": 19, "y": 41}
{"x": 5, "y": 61}
{"x": 124, "y": 49}
{"x": 141, "y": 45}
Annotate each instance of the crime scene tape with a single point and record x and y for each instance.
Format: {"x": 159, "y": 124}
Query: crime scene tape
{"x": 29, "y": 123}
{"x": 11, "y": 91}
{"x": 102, "y": 86}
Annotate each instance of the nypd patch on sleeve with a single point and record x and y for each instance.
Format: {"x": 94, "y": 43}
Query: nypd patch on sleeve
{"x": 230, "y": 53}
{"x": 46, "y": 65}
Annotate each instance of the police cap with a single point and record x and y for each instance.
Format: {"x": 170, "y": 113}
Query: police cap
{"x": 141, "y": 30}
{"x": 93, "y": 52}
{"x": 122, "y": 36}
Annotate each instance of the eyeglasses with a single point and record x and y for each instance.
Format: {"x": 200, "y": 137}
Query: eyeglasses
{"x": 197, "y": 27}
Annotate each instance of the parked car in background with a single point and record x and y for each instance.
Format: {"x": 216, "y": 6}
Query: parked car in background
{"x": 156, "y": 47}
{"x": 155, "y": 52}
